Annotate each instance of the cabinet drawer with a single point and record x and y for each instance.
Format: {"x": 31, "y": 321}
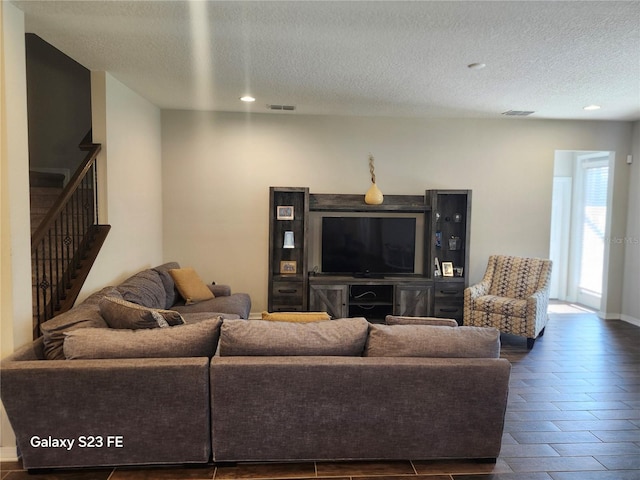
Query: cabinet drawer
{"x": 448, "y": 309}
{"x": 453, "y": 291}
{"x": 287, "y": 293}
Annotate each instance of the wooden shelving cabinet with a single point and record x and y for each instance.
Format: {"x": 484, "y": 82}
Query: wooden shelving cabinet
{"x": 447, "y": 219}
{"x": 449, "y": 246}
{"x": 288, "y": 226}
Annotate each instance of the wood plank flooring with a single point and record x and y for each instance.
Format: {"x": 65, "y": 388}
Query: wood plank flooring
{"x": 573, "y": 414}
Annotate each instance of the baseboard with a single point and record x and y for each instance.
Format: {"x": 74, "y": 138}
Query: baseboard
{"x": 255, "y": 316}
{"x": 630, "y": 319}
{"x": 8, "y": 454}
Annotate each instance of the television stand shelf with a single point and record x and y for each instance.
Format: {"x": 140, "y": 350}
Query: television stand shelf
{"x": 374, "y": 299}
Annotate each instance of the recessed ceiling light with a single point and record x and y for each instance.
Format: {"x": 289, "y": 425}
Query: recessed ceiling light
{"x": 476, "y": 66}
{"x": 592, "y": 107}
{"x": 247, "y": 98}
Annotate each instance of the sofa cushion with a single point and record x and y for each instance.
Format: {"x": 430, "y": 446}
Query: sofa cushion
{"x": 194, "y": 340}
{"x": 398, "y": 320}
{"x": 85, "y": 315}
{"x": 504, "y": 306}
{"x": 144, "y": 288}
{"x": 300, "y": 317}
{"x": 237, "y": 304}
{"x": 432, "y": 341}
{"x": 119, "y": 313}
{"x": 190, "y": 285}
{"x": 343, "y": 337}
{"x": 167, "y": 282}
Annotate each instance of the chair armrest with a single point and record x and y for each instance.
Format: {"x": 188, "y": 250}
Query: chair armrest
{"x": 539, "y": 301}
{"x": 220, "y": 290}
{"x": 477, "y": 290}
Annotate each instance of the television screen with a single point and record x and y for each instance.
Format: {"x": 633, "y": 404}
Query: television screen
{"x": 368, "y": 245}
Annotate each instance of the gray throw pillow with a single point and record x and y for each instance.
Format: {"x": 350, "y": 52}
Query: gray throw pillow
{"x": 197, "y": 340}
{"x": 119, "y": 313}
{"x": 342, "y": 337}
{"x": 432, "y": 341}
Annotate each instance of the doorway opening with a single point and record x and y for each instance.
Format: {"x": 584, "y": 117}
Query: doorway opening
{"x": 580, "y": 223}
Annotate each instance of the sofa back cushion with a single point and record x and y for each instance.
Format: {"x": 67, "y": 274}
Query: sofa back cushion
{"x": 144, "y": 288}
{"x": 342, "y": 337}
{"x": 167, "y": 282}
{"x": 432, "y": 341}
{"x": 400, "y": 320}
{"x": 191, "y": 340}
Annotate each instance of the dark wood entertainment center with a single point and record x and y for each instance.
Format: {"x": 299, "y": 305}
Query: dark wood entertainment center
{"x": 445, "y": 237}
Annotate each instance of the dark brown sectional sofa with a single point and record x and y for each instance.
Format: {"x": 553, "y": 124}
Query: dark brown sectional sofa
{"x": 232, "y": 390}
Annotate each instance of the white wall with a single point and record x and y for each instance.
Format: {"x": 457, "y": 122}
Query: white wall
{"x": 15, "y": 258}
{"x": 630, "y": 297}
{"x": 128, "y": 127}
{"x": 217, "y": 168}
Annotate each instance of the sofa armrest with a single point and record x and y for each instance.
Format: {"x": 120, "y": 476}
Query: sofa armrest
{"x": 220, "y": 290}
{"x": 137, "y": 400}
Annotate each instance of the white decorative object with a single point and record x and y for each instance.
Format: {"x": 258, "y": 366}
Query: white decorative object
{"x": 374, "y": 195}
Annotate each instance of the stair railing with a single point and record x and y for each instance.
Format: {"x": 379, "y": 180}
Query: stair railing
{"x": 60, "y": 243}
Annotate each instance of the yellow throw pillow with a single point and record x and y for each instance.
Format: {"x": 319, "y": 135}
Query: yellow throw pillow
{"x": 190, "y": 285}
{"x": 300, "y": 317}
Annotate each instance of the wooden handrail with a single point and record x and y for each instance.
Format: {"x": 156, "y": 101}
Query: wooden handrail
{"x": 67, "y": 193}
{"x": 66, "y": 243}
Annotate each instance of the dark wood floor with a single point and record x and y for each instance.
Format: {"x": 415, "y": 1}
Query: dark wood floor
{"x": 573, "y": 414}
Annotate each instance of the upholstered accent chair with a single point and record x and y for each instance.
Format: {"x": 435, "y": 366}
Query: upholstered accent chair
{"x": 513, "y": 297}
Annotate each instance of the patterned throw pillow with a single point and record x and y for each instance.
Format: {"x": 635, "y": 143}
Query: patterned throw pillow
{"x": 121, "y": 314}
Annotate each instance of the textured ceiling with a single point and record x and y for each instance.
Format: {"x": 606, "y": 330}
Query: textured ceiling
{"x": 390, "y": 58}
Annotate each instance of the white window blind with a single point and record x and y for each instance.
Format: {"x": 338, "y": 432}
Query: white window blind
{"x": 596, "y": 175}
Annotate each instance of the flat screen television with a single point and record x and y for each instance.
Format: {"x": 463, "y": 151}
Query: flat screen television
{"x": 368, "y": 246}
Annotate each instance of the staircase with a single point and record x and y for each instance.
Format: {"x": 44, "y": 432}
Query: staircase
{"x": 66, "y": 237}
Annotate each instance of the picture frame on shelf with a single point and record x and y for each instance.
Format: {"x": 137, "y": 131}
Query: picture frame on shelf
{"x": 447, "y": 269}
{"x": 288, "y": 267}
{"x": 284, "y": 212}
{"x": 437, "y": 272}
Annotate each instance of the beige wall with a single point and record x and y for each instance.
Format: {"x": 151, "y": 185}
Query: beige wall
{"x": 630, "y": 297}
{"x": 128, "y": 127}
{"x": 217, "y": 168}
{"x": 15, "y": 258}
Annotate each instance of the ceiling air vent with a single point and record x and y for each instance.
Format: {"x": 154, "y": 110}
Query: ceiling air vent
{"x": 518, "y": 113}
{"x": 289, "y": 108}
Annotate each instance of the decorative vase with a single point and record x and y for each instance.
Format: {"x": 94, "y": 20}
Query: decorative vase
{"x": 373, "y": 196}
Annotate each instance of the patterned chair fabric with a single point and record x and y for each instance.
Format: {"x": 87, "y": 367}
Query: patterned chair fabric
{"x": 513, "y": 297}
